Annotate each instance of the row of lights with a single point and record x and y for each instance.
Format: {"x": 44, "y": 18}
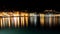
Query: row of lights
{"x": 23, "y": 19}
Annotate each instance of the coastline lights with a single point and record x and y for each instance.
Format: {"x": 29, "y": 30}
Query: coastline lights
{"x": 21, "y": 19}
{"x": 14, "y": 19}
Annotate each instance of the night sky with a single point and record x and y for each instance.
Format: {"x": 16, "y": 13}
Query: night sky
{"x": 34, "y": 6}
{"x": 29, "y": 5}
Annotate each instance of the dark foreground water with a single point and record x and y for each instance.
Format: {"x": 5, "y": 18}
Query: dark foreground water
{"x": 31, "y": 30}
{"x": 27, "y": 31}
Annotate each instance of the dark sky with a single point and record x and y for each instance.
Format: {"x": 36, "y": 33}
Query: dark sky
{"x": 33, "y": 5}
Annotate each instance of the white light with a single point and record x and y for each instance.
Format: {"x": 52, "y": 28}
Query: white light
{"x": 31, "y": 18}
{"x": 35, "y": 19}
{"x": 15, "y": 21}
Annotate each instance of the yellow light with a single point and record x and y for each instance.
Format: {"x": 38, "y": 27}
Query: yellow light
{"x": 26, "y": 19}
{"x": 1, "y": 23}
{"x": 50, "y": 20}
{"x": 42, "y": 19}
{"x": 18, "y": 19}
{"x": 18, "y": 22}
{"x": 9, "y": 21}
{"x": 22, "y": 19}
